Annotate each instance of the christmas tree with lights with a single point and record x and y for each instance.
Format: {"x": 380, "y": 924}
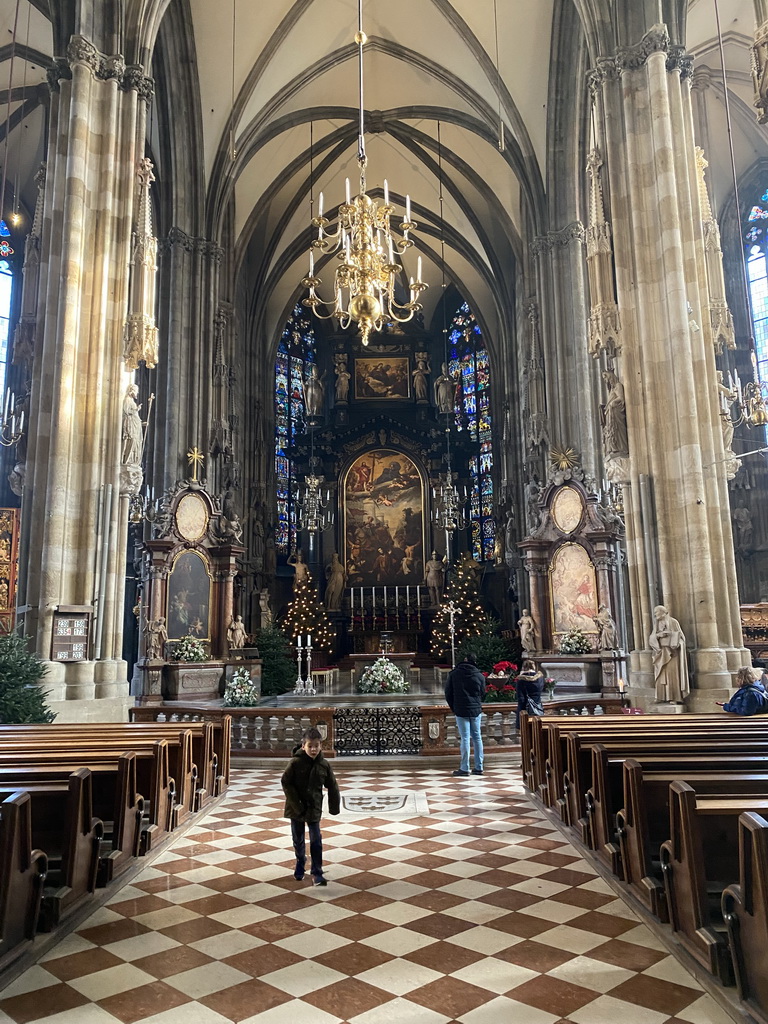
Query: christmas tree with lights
{"x": 306, "y": 616}
{"x": 469, "y": 618}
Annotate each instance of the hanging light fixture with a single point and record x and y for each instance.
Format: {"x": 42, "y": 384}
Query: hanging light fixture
{"x": 448, "y": 508}
{"x": 313, "y": 506}
{"x": 368, "y": 252}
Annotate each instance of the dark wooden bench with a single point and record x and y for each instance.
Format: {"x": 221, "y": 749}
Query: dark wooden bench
{"x": 63, "y": 825}
{"x": 578, "y": 780}
{"x": 745, "y": 912}
{"x": 643, "y": 822}
{"x": 116, "y": 800}
{"x": 22, "y": 877}
{"x": 698, "y": 862}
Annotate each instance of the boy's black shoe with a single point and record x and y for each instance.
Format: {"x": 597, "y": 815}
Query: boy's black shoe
{"x": 477, "y": 771}
{"x": 460, "y": 772}
{"x": 298, "y": 874}
{"x": 319, "y": 880}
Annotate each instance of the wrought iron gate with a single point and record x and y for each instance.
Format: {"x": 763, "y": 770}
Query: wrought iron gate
{"x": 376, "y": 731}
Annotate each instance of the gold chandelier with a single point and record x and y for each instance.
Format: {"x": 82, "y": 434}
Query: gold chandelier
{"x": 365, "y": 278}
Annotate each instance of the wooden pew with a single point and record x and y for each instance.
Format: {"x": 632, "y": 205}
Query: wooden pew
{"x": 643, "y": 823}
{"x": 189, "y": 795}
{"x": 745, "y": 911}
{"x": 696, "y": 871}
{"x": 222, "y": 737}
{"x": 577, "y": 779}
{"x": 115, "y": 800}
{"x": 545, "y": 733}
{"x": 63, "y": 827}
{"x": 607, "y": 795}
{"x": 22, "y": 876}
{"x": 548, "y": 754}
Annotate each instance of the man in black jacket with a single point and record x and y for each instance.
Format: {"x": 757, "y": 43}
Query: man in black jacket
{"x": 464, "y": 692}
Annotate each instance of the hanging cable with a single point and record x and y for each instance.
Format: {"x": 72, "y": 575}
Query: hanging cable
{"x": 360, "y": 39}
{"x": 15, "y": 215}
{"x": 232, "y": 148}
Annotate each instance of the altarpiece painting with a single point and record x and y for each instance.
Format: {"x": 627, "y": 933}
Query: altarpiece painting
{"x": 573, "y": 589}
{"x": 384, "y": 520}
{"x": 189, "y": 597}
{"x": 382, "y": 378}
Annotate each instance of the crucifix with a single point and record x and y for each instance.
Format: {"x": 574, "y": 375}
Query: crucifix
{"x": 195, "y": 458}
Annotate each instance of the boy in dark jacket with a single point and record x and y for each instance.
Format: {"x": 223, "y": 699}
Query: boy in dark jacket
{"x": 303, "y": 782}
{"x": 464, "y": 692}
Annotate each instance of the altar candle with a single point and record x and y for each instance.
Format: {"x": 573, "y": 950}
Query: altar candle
{"x": 298, "y": 641}
{"x": 407, "y": 598}
{"x": 622, "y": 685}
{"x": 352, "y": 602}
{"x": 309, "y": 639}
{"x": 385, "y": 597}
{"x": 397, "y": 596}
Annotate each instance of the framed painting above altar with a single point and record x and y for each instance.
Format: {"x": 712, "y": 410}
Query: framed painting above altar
{"x": 573, "y": 589}
{"x": 382, "y": 378}
{"x": 189, "y": 597}
{"x": 384, "y": 518}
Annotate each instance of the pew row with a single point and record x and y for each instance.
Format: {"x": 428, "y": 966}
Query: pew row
{"x": 21, "y": 879}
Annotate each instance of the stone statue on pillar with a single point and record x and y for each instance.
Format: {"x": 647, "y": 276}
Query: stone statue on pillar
{"x": 420, "y": 375}
{"x": 156, "y": 636}
{"x": 608, "y": 634}
{"x": 343, "y": 377}
{"x": 434, "y": 577}
{"x": 445, "y": 389}
{"x": 236, "y": 634}
{"x": 527, "y": 627}
{"x": 336, "y": 575}
{"x": 670, "y": 665}
{"x": 314, "y": 393}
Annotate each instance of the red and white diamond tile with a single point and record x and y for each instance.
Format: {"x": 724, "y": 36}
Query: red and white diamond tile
{"x": 463, "y": 906}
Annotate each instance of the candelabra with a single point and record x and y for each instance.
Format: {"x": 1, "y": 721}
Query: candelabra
{"x": 364, "y": 280}
{"x": 313, "y": 512}
{"x": 12, "y": 423}
{"x": 304, "y": 687}
{"x": 448, "y": 512}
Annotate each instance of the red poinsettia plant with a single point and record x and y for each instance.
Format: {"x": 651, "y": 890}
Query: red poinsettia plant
{"x": 504, "y": 668}
{"x": 501, "y": 692}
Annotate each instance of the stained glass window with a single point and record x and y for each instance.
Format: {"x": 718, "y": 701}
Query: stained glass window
{"x": 8, "y": 269}
{"x": 295, "y": 352}
{"x": 469, "y": 367}
{"x": 756, "y": 245}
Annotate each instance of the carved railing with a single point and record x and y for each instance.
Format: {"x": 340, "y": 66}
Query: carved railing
{"x": 274, "y": 732}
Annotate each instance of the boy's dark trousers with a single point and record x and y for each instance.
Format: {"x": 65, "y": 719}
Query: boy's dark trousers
{"x": 315, "y": 845}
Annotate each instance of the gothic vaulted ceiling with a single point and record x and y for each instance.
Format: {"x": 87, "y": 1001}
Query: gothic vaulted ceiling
{"x": 276, "y": 122}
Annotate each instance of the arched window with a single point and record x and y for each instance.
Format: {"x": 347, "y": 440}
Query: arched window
{"x": 756, "y": 244}
{"x": 295, "y": 352}
{"x": 470, "y": 369}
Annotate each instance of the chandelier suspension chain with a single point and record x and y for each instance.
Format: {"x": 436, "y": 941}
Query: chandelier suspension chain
{"x": 8, "y": 108}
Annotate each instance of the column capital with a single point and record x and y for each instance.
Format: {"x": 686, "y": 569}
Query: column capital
{"x": 102, "y": 66}
{"x": 632, "y": 58}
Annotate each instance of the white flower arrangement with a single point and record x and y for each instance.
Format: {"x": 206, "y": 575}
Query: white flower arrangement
{"x": 575, "y": 641}
{"x": 382, "y": 677}
{"x": 189, "y": 648}
{"x": 241, "y": 691}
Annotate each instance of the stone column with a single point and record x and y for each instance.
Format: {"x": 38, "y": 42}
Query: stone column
{"x": 667, "y": 366}
{"x": 78, "y": 381}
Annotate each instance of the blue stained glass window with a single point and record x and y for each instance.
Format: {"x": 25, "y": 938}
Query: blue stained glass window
{"x": 295, "y": 351}
{"x": 469, "y": 366}
{"x": 4, "y": 232}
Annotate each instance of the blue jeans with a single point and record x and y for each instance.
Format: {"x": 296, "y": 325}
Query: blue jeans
{"x": 470, "y": 727}
{"x": 315, "y": 845}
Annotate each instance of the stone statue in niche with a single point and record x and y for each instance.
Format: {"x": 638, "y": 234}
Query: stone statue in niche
{"x": 727, "y": 396}
{"x": 420, "y": 374}
{"x": 615, "y": 440}
{"x": 742, "y": 519}
{"x": 445, "y": 390}
{"x": 343, "y": 377}
{"x": 314, "y": 393}
{"x": 608, "y": 634}
{"x": 336, "y": 575}
{"x": 133, "y": 433}
{"x": 434, "y": 577}
{"x": 527, "y": 626}
{"x": 532, "y": 510}
{"x": 670, "y": 665}
{"x": 229, "y": 527}
{"x": 265, "y": 612}
{"x": 156, "y": 636}
{"x": 236, "y": 634}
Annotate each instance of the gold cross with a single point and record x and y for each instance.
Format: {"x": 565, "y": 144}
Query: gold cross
{"x": 195, "y": 458}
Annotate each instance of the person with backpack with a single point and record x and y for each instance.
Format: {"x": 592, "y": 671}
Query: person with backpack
{"x": 751, "y": 697}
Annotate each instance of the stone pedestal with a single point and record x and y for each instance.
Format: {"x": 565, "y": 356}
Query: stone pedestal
{"x": 193, "y": 680}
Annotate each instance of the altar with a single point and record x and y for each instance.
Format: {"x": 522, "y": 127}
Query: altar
{"x": 402, "y": 659}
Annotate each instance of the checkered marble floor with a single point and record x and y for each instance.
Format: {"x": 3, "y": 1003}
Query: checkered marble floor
{"x": 461, "y": 904}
